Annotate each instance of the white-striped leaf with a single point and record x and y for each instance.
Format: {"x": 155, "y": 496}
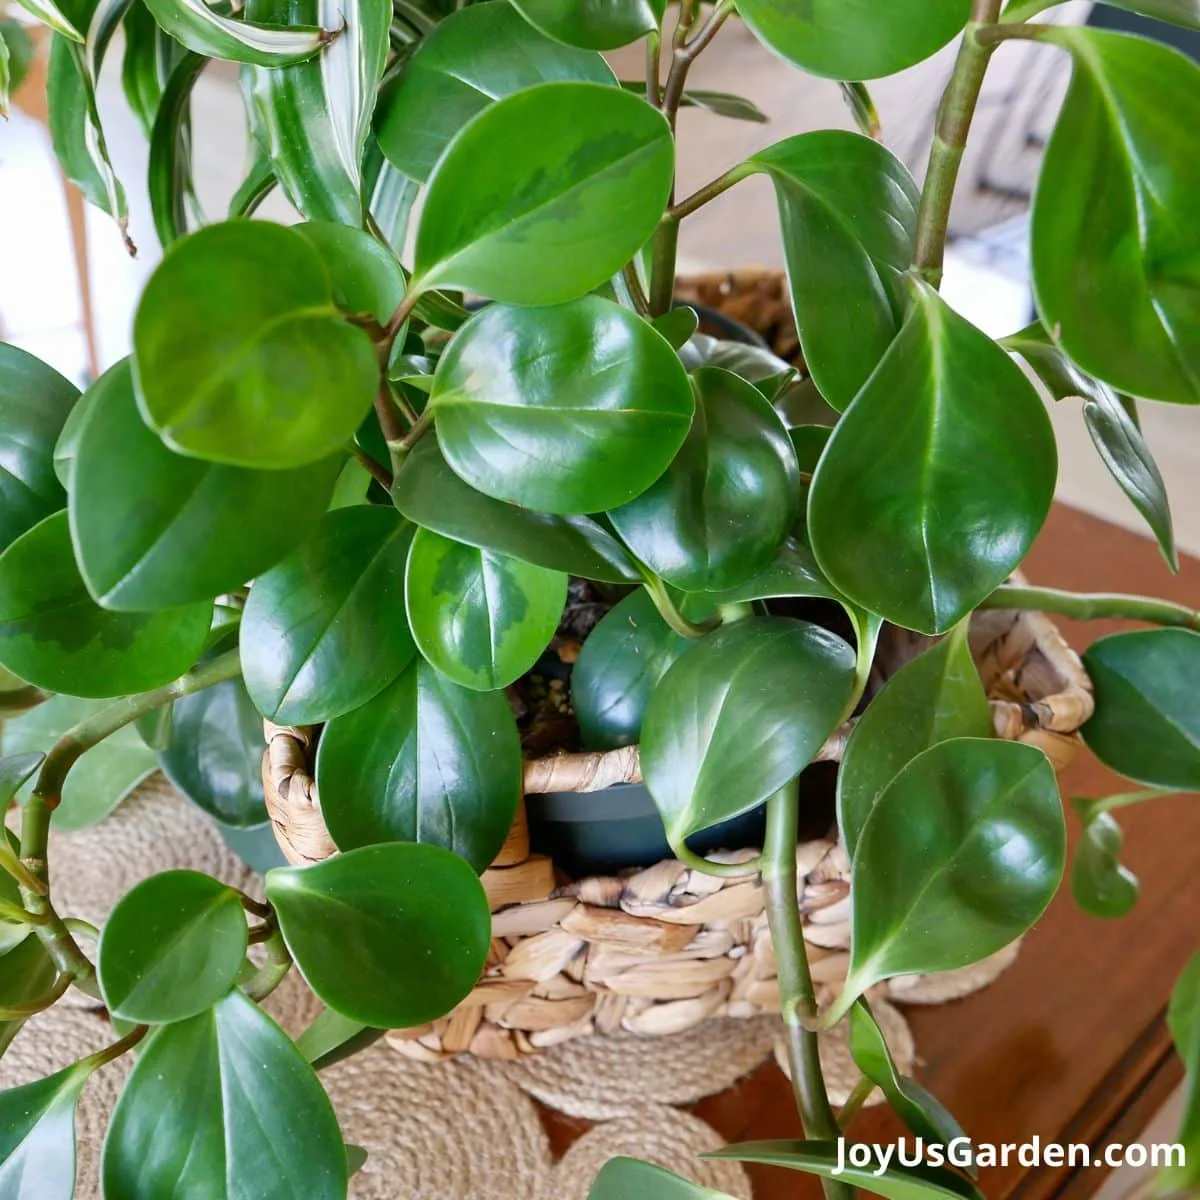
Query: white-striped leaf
{"x": 206, "y": 32}
{"x": 50, "y": 14}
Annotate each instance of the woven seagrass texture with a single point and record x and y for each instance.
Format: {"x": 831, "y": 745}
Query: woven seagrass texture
{"x": 659, "y": 950}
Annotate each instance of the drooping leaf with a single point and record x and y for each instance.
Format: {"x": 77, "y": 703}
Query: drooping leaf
{"x": 223, "y": 1104}
{"x": 325, "y": 630}
{"x": 854, "y": 39}
{"x": 425, "y": 761}
{"x": 153, "y": 529}
{"x": 959, "y": 857}
{"x": 721, "y": 511}
{"x": 204, "y": 31}
{"x": 1101, "y": 885}
{"x": 594, "y": 24}
{"x": 171, "y": 948}
{"x": 37, "y": 1136}
{"x": 1183, "y": 1020}
{"x": 54, "y": 635}
{"x": 1114, "y": 252}
{"x": 150, "y": 57}
{"x": 391, "y": 936}
{"x": 35, "y": 402}
{"x": 258, "y": 184}
{"x": 632, "y": 1179}
{"x": 723, "y": 104}
{"x": 169, "y": 177}
{"x": 937, "y": 478}
{"x": 367, "y": 279}
{"x": 934, "y": 697}
{"x": 1146, "y": 725}
{"x": 240, "y": 355}
{"x": 922, "y": 1113}
{"x": 51, "y": 14}
{"x": 571, "y": 409}
{"x": 618, "y": 668}
{"x": 715, "y": 741}
{"x": 827, "y": 1160}
{"x": 848, "y": 209}
{"x": 101, "y": 778}
{"x": 470, "y": 59}
{"x": 214, "y": 753}
{"x": 332, "y": 1037}
{"x": 481, "y": 618}
{"x": 545, "y": 219}
{"x": 434, "y": 497}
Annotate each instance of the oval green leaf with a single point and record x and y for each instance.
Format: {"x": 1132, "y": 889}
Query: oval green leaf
{"x": 937, "y": 478}
{"x": 153, "y": 529}
{"x": 721, "y": 511}
{"x": 54, "y": 635}
{"x": 619, "y": 667}
{"x": 715, "y": 740}
{"x": 367, "y": 279}
{"x": 541, "y": 220}
{"x": 632, "y": 1179}
{"x": 37, "y": 1136}
{"x": 1100, "y": 884}
{"x": 241, "y": 356}
{"x": 571, "y": 409}
{"x": 961, "y": 855}
{"x": 325, "y": 630}
{"x": 391, "y": 936}
{"x": 214, "y": 754}
{"x": 470, "y": 59}
{"x": 848, "y": 210}
{"x": 171, "y": 948}
{"x": 223, "y": 1104}
{"x": 935, "y": 697}
{"x": 1146, "y": 725}
{"x": 425, "y": 761}
{"x": 594, "y": 24}
{"x": 1116, "y": 268}
{"x": 431, "y": 495}
{"x": 482, "y": 619}
{"x": 854, "y": 39}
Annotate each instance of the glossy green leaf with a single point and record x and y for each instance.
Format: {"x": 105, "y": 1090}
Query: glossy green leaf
{"x": 150, "y": 56}
{"x": 332, "y": 1038}
{"x": 434, "y": 497}
{"x": 425, "y": 761}
{"x": 240, "y": 355}
{"x": 35, "y": 402}
{"x": 1100, "y": 884}
{"x": 154, "y": 529}
{"x": 937, "y": 478}
{"x": 854, "y": 39}
{"x": 1146, "y": 725}
{"x": 769, "y": 373}
{"x": 325, "y": 631}
{"x": 678, "y": 325}
{"x": 37, "y": 1136}
{"x": 721, "y": 511}
{"x": 214, "y": 755}
{"x": 632, "y": 1179}
{"x": 367, "y": 279}
{"x": 314, "y": 117}
{"x": 224, "y": 1105}
{"x": 391, "y": 936}
{"x": 101, "y": 778}
{"x": 169, "y": 176}
{"x": 470, "y": 59}
{"x": 960, "y": 856}
{"x": 848, "y": 209}
{"x": 541, "y": 220}
{"x": 1115, "y": 258}
{"x": 481, "y": 618}
{"x": 715, "y": 740}
{"x": 171, "y": 948}
{"x": 205, "y": 31}
{"x": 793, "y": 572}
{"x": 54, "y": 635}
{"x": 935, "y": 697}
{"x": 826, "y": 1160}
{"x": 1178, "y": 12}
{"x": 620, "y": 665}
{"x": 1183, "y": 1020}
{"x": 50, "y": 14}
{"x": 922, "y": 1113}
{"x": 723, "y": 104}
{"x": 1054, "y": 370}
{"x": 27, "y": 974}
{"x": 572, "y": 409}
{"x": 594, "y": 24}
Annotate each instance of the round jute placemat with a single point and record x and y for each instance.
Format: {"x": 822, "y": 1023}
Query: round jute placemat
{"x": 654, "y": 1132}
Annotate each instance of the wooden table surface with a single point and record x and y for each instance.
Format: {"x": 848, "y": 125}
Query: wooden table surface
{"x": 1070, "y": 1043}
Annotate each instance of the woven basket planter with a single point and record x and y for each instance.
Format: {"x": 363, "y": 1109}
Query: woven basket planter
{"x": 659, "y": 950}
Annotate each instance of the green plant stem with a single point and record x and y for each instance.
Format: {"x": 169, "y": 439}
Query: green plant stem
{"x": 1094, "y": 606}
{"x": 15, "y": 914}
{"x": 1089, "y": 810}
{"x": 993, "y": 35}
{"x": 381, "y": 475}
{"x": 273, "y": 970}
{"x": 662, "y": 266}
{"x": 710, "y": 191}
{"x": 653, "y": 67}
{"x": 62, "y": 948}
{"x": 19, "y": 1012}
{"x": 698, "y": 862}
{"x": 403, "y": 312}
{"x": 854, "y": 1102}
{"x": 670, "y": 613}
{"x": 637, "y": 293}
{"x": 12, "y": 865}
{"x": 21, "y": 700}
{"x": 949, "y": 141}
{"x": 797, "y": 999}
{"x": 101, "y": 1058}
